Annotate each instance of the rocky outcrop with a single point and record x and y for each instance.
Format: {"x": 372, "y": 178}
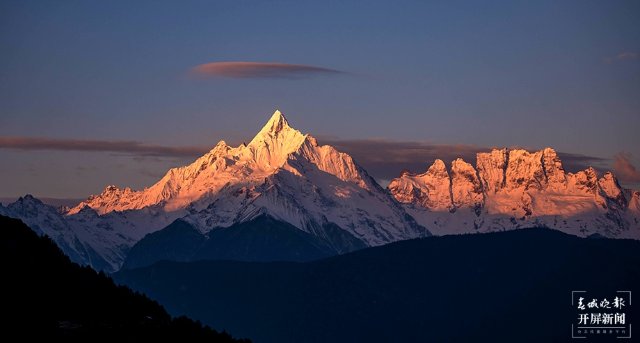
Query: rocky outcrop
{"x": 517, "y": 188}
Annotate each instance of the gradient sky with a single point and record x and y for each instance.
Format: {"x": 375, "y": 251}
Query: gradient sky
{"x": 471, "y": 75}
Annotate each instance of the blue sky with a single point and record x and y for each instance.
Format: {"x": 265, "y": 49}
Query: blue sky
{"x": 485, "y": 74}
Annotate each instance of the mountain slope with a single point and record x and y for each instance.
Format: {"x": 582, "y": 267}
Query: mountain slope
{"x": 101, "y": 241}
{"x": 459, "y": 288}
{"x": 45, "y": 296}
{"x": 74, "y": 241}
{"x": 511, "y": 189}
{"x": 281, "y": 173}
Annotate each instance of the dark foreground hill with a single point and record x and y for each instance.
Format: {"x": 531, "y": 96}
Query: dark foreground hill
{"x": 500, "y": 287}
{"x": 48, "y": 298}
{"x": 262, "y": 239}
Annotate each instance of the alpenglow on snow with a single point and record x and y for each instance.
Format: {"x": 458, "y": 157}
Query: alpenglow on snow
{"x": 282, "y": 173}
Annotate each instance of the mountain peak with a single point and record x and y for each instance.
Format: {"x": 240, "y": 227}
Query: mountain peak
{"x": 514, "y": 188}
{"x": 271, "y": 146}
{"x": 276, "y": 128}
{"x": 438, "y": 165}
{"x": 276, "y": 123}
{"x": 28, "y": 198}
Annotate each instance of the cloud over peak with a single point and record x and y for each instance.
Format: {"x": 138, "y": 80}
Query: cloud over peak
{"x": 258, "y": 70}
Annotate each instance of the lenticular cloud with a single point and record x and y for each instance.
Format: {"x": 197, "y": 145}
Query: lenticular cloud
{"x": 247, "y": 70}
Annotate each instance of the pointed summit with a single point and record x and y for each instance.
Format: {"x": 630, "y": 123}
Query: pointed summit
{"x": 276, "y": 124}
{"x": 276, "y": 127}
{"x": 275, "y": 141}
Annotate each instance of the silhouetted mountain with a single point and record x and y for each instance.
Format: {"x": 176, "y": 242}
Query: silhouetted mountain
{"x": 47, "y": 296}
{"x": 262, "y": 239}
{"x": 510, "y": 286}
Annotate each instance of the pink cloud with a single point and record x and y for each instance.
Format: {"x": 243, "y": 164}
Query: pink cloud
{"x": 246, "y": 70}
{"x": 627, "y": 56}
{"x": 624, "y": 169}
{"x": 384, "y": 159}
{"x": 623, "y": 56}
{"x": 128, "y": 147}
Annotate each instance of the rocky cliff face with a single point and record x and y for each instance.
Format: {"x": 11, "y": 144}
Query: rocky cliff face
{"x": 431, "y": 189}
{"x": 466, "y": 187}
{"x": 515, "y": 188}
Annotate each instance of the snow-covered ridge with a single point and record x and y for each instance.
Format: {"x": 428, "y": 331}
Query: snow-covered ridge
{"x": 516, "y": 188}
{"x": 288, "y": 176}
{"x": 267, "y": 152}
{"x": 282, "y": 173}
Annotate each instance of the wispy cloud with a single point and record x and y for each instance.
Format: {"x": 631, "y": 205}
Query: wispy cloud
{"x": 576, "y": 162}
{"x": 385, "y": 159}
{"x": 128, "y": 147}
{"x": 623, "y": 56}
{"x": 624, "y": 169}
{"x": 249, "y": 70}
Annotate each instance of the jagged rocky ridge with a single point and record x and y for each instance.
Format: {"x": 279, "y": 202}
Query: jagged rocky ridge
{"x": 282, "y": 174}
{"x": 514, "y": 188}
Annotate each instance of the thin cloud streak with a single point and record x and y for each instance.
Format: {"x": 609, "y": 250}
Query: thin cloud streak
{"x": 385, "y": 159}
{"x": 128, "y": 147}
{"x": 628, "y": 56}
{"x": 577, "y": 162}
{"x": 258, "y": 70}
{"x": 623, "y": 56}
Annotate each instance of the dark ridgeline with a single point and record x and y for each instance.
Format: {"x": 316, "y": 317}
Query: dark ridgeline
{"x": 498, "y": 287}
{"x": 512, "y": 286}
{"x": 45, "y": 296}
{"x": 262, "y": 239}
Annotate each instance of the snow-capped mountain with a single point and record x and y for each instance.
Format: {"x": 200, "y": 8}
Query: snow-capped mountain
{"x": 46, "y": 220}
{"x": 511, "y": 189}
{"x": 251, "y": 197}
{"x": 87, "y": 238}
{"x": 281, "y": 173}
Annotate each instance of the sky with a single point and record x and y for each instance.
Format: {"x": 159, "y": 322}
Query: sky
{"x": 117, "y": 92}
